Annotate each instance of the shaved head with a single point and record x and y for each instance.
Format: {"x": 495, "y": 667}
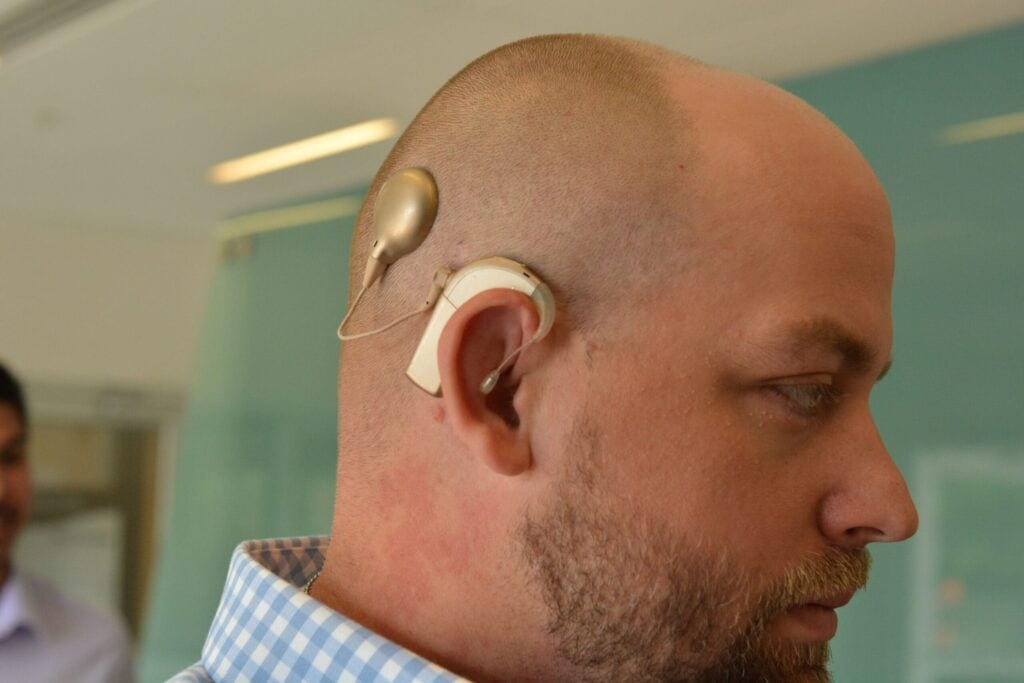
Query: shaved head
{"x": 557, "y": 151}
{"x": 679, "y": 481}
{"x": 565, "y": 152}
{"x": 548, "y": 150}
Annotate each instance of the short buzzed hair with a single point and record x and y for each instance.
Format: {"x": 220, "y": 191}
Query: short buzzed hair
{"x": 11, "y": 394}
{"x": 555, "y": 151}
{"x": 567, "y": 153}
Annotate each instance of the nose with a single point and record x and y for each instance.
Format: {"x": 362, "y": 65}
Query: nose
{"x": 869, "y": 501}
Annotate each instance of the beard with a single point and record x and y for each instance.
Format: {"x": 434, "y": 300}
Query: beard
{"x": 10, "y": 524}
{"x": 628, "y": 601}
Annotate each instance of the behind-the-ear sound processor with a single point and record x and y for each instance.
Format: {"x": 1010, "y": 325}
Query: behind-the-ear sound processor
{"x": 403, "y": 215}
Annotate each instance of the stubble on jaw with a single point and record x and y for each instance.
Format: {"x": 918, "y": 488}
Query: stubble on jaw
{"x": 628, "y": 601}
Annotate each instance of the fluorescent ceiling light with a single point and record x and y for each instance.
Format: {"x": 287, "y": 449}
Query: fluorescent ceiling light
{"x": 302, "y": 151}
{"x": 984, "y": 129}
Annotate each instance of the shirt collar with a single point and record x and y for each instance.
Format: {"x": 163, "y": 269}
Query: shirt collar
{"x": 19, "y": 608}
{"x": 266, "y": 625}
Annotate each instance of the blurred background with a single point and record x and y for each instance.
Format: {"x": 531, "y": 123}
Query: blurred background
{"x": 175, "y": 324}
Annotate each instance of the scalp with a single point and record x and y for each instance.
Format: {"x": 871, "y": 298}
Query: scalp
{"x": 564, "y": 152}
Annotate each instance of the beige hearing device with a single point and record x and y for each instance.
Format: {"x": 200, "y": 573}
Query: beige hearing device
{"x": 404, "y": 213}
{"x": 490, "y": 273}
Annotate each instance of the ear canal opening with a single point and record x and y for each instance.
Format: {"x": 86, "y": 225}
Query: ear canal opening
{"x": 501, "y": 402}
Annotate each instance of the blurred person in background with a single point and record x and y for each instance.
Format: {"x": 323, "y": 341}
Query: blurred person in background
{"x": 678, "y": 482}
{"x": 45, "y": 636}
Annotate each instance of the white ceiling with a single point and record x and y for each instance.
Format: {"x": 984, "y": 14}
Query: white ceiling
{"x": 113, "y": 122}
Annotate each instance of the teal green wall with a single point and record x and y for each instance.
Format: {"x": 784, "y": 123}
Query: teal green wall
{"x": 952, "y": 410}
{"x": 258, "y": 450}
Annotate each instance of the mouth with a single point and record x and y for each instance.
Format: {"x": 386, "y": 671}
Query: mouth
{"x": 812, "y": 622}
{"x": 834, "y": 601}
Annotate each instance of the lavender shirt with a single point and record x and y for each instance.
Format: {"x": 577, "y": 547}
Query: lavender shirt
{"x": 47, "y": 636}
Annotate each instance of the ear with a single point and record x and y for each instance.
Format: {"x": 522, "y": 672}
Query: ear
{"x": 478, "y": 336}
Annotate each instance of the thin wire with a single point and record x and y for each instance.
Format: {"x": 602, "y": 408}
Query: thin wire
{"x": 491, "y": 380}
{"x": 350, "y": 337}
{"x": 441, "y": 276}
{"x": 359, "y": 297}
{"x": 351, "y": 309}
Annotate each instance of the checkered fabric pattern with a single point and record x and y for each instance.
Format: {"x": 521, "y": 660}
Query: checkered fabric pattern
{"x": 267, "y": 629}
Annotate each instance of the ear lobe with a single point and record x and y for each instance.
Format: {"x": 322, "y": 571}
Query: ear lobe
{"x": 474, "y": 342}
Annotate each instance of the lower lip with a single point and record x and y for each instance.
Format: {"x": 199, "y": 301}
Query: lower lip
{"x": 810, "y": 622}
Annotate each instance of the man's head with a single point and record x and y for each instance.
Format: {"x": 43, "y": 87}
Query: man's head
{"x": 677, "y": 483}
{"x": 15, "y": 488}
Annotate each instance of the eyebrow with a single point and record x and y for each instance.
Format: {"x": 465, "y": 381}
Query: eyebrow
{"x": 856, "y": 354}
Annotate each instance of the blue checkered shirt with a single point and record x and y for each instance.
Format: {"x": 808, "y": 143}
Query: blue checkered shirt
{"x": 267, "y": 629}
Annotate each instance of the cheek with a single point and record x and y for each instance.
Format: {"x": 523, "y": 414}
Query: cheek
{"x": 662, "y": 449}
{"x": 18, "y": 489}
{"x": 705, "y": 472}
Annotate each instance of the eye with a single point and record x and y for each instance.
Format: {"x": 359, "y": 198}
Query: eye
{"x": 807, "y": 399}
{"x": 11, "y": 457}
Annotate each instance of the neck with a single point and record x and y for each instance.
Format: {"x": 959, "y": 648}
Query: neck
{"x": 417, "y": 559}
{"x": 392, "y": 587}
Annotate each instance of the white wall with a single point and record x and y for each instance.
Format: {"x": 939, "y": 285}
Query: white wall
{"x": 102, "y": 308}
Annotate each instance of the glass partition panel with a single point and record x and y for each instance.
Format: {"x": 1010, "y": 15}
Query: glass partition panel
{"x": 258, "y": 443}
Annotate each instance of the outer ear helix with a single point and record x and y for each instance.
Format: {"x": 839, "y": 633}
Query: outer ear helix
{"x": 486, "y": 424}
